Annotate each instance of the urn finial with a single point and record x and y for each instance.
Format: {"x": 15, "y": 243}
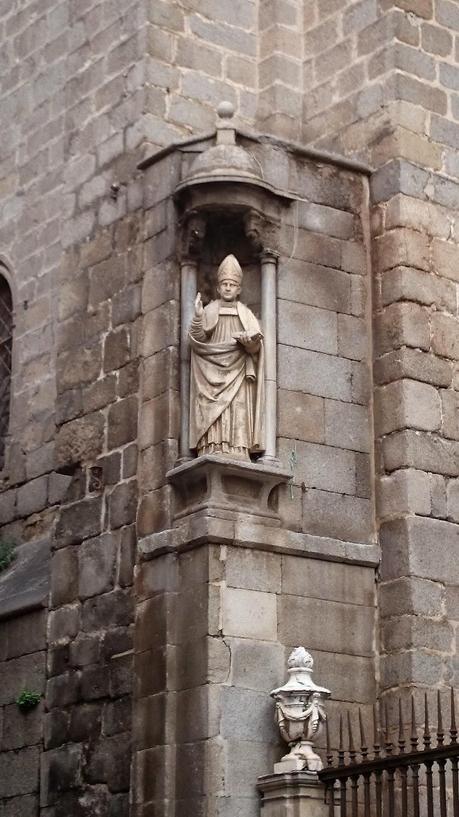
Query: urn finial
{"x": 300, "y": 714}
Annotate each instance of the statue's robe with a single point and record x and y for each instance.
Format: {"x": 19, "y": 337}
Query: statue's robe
{"x": 227, "y": 382}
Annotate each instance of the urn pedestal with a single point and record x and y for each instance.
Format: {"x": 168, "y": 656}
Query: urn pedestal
{"x": 299, "y": 794}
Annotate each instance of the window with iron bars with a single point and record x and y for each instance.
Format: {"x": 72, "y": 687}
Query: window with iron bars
{"x": 6, "y": 341}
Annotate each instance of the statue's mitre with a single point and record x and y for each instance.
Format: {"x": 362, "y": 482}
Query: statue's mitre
{"x": 230, "y": 270}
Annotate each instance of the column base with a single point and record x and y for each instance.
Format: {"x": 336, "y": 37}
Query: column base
{"x": 218, "y": 486}
{"x": 295, "y": 794}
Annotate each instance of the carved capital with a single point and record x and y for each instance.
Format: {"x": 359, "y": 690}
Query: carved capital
{"x": 261, "y": 232}
{"x": 193, "y": 231}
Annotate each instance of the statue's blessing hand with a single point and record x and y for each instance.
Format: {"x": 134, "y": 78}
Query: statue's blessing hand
{"x": 198, "y": 307}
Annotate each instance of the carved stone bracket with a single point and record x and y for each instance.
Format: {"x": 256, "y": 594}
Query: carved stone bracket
{"x": 216, "y": 486}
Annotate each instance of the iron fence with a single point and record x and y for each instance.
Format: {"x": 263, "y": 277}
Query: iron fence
{"x": 397, "y": 777}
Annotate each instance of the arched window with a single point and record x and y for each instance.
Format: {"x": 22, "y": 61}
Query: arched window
{"x": 6, "y": 341}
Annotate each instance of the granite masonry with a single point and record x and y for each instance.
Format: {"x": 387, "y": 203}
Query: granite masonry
{"x": 152, "y": 629}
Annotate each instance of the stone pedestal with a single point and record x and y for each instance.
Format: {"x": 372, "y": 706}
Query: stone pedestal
{"x": 298, "y": 794}
{"x": 226, "y": 488}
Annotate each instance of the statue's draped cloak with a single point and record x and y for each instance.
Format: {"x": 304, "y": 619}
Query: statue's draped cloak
{"x": 224, "y": 376}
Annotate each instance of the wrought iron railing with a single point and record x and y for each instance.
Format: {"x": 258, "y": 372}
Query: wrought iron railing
{"x": 397, "y": 777}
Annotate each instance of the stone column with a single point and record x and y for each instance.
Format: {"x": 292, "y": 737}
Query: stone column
{"x": 188, "y": 272}
{"x": 269, "y": 324}
{"x": 296, "y": 793}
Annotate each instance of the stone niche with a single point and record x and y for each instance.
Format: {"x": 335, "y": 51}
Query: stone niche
{"x": 225, "y": 207}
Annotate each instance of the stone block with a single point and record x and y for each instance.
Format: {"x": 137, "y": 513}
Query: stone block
{"x": 414, "y": 632}
{"x": 64, "y": 576}
{"x": 32, "y": 497}
{"x": 402, "y": 247}
{"x": 450, "y": 414}
{"x": 20, "y": 772}
{"x": 301, "y": 416}
{"x": 403, "y": 492}
{"x": 402, "y": 324}
{"x": 253, "y": 570}
{"x": 352, "y": 337}
{"x": 315, "y": 285}
{"x": 350, "y": 677}
{"x": 73, "y": 296}
{"x": 106, "y": 279}
{"x": 256, "y": 664}
{"x": 414, "y": 364}
{"x": 20, "y": 730}
{"x": 160, "y": 328}
{"x": 79, "y": 521}
{"x": 114, "y": 609}
{"x": 453, "y": 500}
{"x": 349, "y": 626}
{"x": 247, "y": 714}
{"x": 314, "y": 373}
{"x": 63, "y": 624}
{"x": 347, "y": 426}
{"x": 445, "y": 336}
{"x": 96, "y": 566}
{"x": 338, "y": 516}
{"x": 126, "y": 306}
{"x": 122, "y": 422}
{"x": 81, "y": 365}
{"x": 249, "y": 614}
{"x": 80, "y": 440}
{"x": 404, "y": 284}
{"x": 159, "y": 419}
{"x": 410, "y": 547}
{"x": 7, "y": 506}
{"x": 160, "y": 373}
{"x": 407, "y": 404}
{"x": 411, "y": 595}
{"x": 415, "y": 449}
{"x": 26, "y": 672}
{"x": 161, "y": 282}
{"x": 445, "y": 256}
{"x": 316, "y": 578}
{"x": 416, "y": 668}
{"x": 117, "y": 349}
{"x": 307, "y": 327}
{"x": 320, "y": 466}
{"x": 155, "y": 461}
{"x": 122, "y": 504}
{"x": 99, "y": 394}
{"x": 155, "y": 510}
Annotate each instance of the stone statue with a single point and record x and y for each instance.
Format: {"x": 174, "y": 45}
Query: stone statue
{"x": 227, "y": 377}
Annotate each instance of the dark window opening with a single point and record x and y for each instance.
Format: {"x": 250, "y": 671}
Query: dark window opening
{"x": 6, "y": 342}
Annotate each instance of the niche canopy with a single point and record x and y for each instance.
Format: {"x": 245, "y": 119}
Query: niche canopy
{"x": 227, "y": 178}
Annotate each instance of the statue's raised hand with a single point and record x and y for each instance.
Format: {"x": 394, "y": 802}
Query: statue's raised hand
{"x": 198, "y": 307}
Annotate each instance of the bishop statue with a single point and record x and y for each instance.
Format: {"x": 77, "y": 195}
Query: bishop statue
{"x": 227, "y": 377}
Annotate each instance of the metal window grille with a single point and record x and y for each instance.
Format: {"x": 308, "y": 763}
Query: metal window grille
{"x": 6, "y": 339}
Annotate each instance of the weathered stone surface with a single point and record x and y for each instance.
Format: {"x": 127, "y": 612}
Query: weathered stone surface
{"x": 409, "y": 547}
{"x": 81, "y": 439}
{"x": 337, "y": 515}
{"x": 253, "y": 570}
{"x": 416, "y": 449}
{"x": 347, "y": 426}
{"x": 96, "y": 566}
{"x": 407, "y": 404}
{"x": 415, "y": 364}
{"x": 249, "y": 614}
{"x": 351, "y": 631}
{"x": 411, "y": 595}
{"x": 122, "y": 422}
{"x": 404, "y": 492}
{"x": 445, "y": 336}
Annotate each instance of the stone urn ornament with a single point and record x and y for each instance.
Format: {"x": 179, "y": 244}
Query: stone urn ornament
{"x": 300, "y": 714}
